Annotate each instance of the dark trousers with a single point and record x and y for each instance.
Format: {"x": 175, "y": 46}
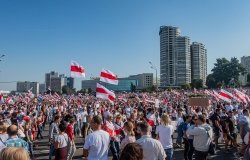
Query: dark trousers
{"x": 191, "y": 149}
{"x": 39, "y": 132}
{"x": 188, "y": 149}
{"x": 199, "y": 155}
{"x": 115, "y": 148}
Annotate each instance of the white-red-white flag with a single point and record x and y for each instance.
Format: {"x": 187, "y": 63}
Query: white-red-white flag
{"x": 226, "y": 96}
{"x": 76, "y": 70}
{"x": 241, "y": 96}
{"x": 108, "y": 77}
{"x": 103, "y": 93}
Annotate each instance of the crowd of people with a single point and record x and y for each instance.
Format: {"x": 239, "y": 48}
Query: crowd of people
{"x": 137, "y": 126}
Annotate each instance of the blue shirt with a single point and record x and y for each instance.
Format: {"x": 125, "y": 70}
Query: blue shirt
{"x": 17, "y": 142}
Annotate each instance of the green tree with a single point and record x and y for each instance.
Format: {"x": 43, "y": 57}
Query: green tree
{"x": 197, "y": 83}
{"x": 68, "y": 90}
{"x": 248, "y": 78}
{"x": 224, "y": 71}
{"x": 211, "y": 82}
{"x": 185, "y": 86}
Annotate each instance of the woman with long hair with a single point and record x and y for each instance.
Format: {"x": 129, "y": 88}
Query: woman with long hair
{"x": 129, "y": 134}
{"x": 164, "y": 133}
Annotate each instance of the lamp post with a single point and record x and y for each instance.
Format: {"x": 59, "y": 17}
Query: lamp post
{"x": 154, "y": 68}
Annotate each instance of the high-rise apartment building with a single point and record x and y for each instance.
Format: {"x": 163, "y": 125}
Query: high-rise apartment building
{"x": 168, "y": 36}
{"x": 183, "y": 61}
{"x": 57, "y": 83}
{"x": 199, "y": 61}
{"x": 176, "y": 63}
{"x": 245, "y": 61}
{"x": 48, "y": 77}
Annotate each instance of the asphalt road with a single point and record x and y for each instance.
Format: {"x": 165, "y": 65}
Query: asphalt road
{"x": 42, "y": 150}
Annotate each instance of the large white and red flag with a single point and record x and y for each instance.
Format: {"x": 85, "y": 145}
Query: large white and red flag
{"x": 108, "y": 77}
{"x": 241, "y": 96}
{"x": 226, "y": 96}
{"x": 104, "y": 93}
{"x": 76, "y": 70}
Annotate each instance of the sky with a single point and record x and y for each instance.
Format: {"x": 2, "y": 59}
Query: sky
{"x": 39, "y": 36}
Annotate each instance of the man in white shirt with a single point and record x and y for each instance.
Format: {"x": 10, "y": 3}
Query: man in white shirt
{"x": 202, "y": 133}
{"x": 152, "y": 148}
{"x": 84, "y": 123}
{"x": 96, "y": 144}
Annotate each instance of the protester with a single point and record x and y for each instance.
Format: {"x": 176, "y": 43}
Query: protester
{"x": 13, "y": 140}
{"x": 152, "y": 149}
{"x": 202, "y": 133}
{"x": 164, "y": 133}
{"x": 129, "y": 134}
{"x": 187, "y": 139}
{"x": 70, "y": 133}
{"x": 53, "y": 131}
{"x": 132, "y": 151}
{"x": 96, "y": 144}
{"x": 109, "y": 127}
{"x": 14, "y": 153}
{"x": 61, "y": 143}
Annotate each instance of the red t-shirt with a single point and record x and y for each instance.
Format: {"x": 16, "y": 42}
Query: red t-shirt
{"x": 70, "y": 131}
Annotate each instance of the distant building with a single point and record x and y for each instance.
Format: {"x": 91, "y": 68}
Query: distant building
{"x": 199, "y": 61}
{"x": 144, "y": 80}
{"x": 48, "y": 77}
{"x": 245, "y": 61}
{"x": 42, "y": 88}
{"x": 25, "y": 86}
{"x": 70, "y": 82}
{"x": 183, "y": 61}
{"x": 178, "y": 66}
{"x": 123, "y": 85}
{"x": 168, "y": 35}
{"x": 57, "y": 83}
{"x": 86, "y": 84}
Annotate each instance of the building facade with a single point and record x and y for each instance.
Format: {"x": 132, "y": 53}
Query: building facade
{"x": 42, "y": 88}
{"x": 144, "y": 80}
{"x": 48, "y": 77}
{"x": 70, "y": 82}
{"x": 90, "y": 84}
{"x": 182, "y": 61}
{"x": 123, "y": 85}
{"x": 25, "y": 86}
{"x": 168, "y": 36}
{"x": 245, "y": 61}
{"x": 57, "y": 83}
{"x": 199, "y": 61}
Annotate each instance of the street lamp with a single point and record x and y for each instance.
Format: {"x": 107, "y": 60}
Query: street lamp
{"x": 154, "y": 68}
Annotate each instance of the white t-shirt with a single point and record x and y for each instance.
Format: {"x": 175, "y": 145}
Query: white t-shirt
{"x": 84, "y": 115}
{"x": 165, "y": 133}
{"x": 62, "y": 139}
{"x": 97, "y": 144}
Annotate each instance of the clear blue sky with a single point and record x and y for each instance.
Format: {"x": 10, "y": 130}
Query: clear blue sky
{"x": 38, "y": 36}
